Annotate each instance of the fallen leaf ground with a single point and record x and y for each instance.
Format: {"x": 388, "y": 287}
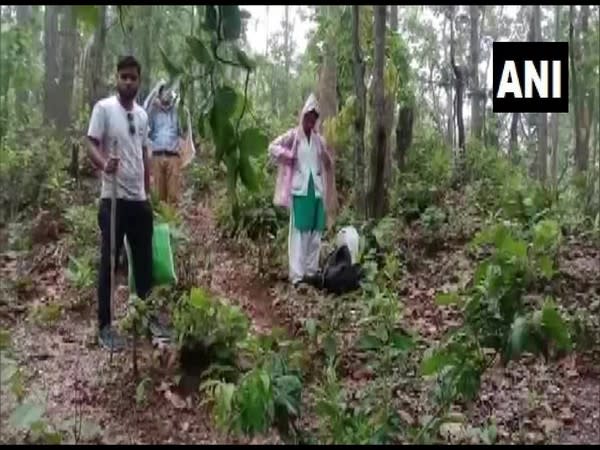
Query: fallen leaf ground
{"x": 531, "y": 401}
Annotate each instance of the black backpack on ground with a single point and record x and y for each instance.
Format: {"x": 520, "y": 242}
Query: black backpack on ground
{"x": 339, "y": 275}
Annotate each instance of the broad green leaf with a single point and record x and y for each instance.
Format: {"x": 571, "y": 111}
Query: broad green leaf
{"x": 369, "y": 342}
{"x": 225, "y": 395}
{"x": 226, "y": 100}
{"x": 140, "y": 390}
{"x": 54, "y": 438}
{"x": 244, "y": 60}
{"x": 488, "y": 235}
{"x": 8, "y": 369}
{"x": 266, "y": 381}
{"x": 198, "y": 50}
{"x": 519, "y": 334}
{"x": 450, "y": 298}
{"x": 311, "y": 328}
{"x": 25, "y": 415}
{"x": 546, "y": 234}
{"x": 330, "y": 346}
{"x": 488, "y": 434}
{"x": 231, "y": 22}
{"x": 401, "y": 341}
{"x": 17, "y": 386}
{"x": 232, "y": 163}
{"x": 513, "y": 248}
{"x": 170, "y": 67}
{"x": 289, "y": 403}
{"x": 290, "y": 383}
{"x": 435, "y": 362}
{"x": 381, "y": 333}
{"x": 199, "y": 298}
{"x": 38, "y": 433}
{"x": 211, "y": 18}
{"x": 554, "y": 326}
{"x": 90, "y": 431}
{"x": 546, "y": 266}
{"x": 468, "y": 381}
{"x": 4, "y": 339}
{"x": 253, "y": 142}
{"x": 88, "y": 14}
{"x": 247, "y": 174}
{"x": 223, "y": 134}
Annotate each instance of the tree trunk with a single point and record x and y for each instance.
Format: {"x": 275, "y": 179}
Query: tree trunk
{"x": 267, "y": 31}
{"x": 575, "y": 89}
{"x": 68, "y": 36}
{"x": 476, "y": 110}
{"x": 96, "y": 64}
{"x": 513, "y": 146}
{"x": 587, "y": 90}
{"x": 24, "y": 22}
{"x": 147, "y": 44}
{"x": 542, "y": 135}
{"x": 50, "y": 63}
{"x": 286, "y": 46}
{"x": 540, "y": 118}
{"x": 449, "y": 94}
{"x": 555, "y": 116}
{"x": 404, "y": 133}
{"x": 359, "y": 120}
{"x": 379, "y": 201}
{"x": 460, "y": 74}
{"x": 394, "y": 18}
{"x": 328, "y": 77}
{"x": 193, "y": 85}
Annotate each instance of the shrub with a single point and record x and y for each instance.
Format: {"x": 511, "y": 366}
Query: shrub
{"x": 426, "y": 178}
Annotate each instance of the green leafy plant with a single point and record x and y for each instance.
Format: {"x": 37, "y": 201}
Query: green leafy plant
{"x": 33, "y": 176}
{"x": 426, "y": 178}
{"x": 495, "y": 314}
{"x": 81, "y": 273}
{"x": 46, "y": 314}
{"x": 433, "y": 218}
{"x": 212, "y": 48}
{"x": 267, "y": 395}
{"x": 201, "y": 176}
{"x": 204, "y": 322}
{"x": 381, "y": 336}
{"x": 341, "y": 423}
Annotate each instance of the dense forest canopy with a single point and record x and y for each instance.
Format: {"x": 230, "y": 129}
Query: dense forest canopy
{"x": 480, "y": 231}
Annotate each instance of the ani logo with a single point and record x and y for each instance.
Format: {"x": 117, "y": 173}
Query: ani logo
{"x": 531, "y": 77}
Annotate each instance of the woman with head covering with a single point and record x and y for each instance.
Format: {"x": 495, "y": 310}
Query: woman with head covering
{"x": 305, "y": 185}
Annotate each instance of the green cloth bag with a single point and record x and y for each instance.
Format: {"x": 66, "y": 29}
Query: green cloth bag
{"x": 163, "y": 266}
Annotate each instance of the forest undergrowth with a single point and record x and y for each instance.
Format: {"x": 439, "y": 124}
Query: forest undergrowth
{"x": 477, "y": 321}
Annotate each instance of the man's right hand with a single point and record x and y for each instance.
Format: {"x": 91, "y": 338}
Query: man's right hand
{"x": 111, "y": 164}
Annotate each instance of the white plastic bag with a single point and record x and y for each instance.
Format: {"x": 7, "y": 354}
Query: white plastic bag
{"x": 349, "y": 236}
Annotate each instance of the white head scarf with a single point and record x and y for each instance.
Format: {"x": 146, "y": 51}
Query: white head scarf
{"x": 311, "y": 104}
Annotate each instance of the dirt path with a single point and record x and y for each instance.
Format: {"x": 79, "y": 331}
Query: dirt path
{"x": 233, "y": 274}
{"x": 74, "y": 377}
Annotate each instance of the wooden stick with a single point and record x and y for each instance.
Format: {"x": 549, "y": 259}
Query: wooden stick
{"x": 113, "y": 239}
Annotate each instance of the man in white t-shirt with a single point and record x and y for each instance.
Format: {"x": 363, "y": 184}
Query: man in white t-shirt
{"x": 118, "y": 136}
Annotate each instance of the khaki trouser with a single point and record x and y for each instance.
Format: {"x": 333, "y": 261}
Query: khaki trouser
{"x": 166, "y": 171}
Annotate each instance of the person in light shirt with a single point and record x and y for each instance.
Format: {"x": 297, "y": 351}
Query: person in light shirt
{"x": 306, "y": 186}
